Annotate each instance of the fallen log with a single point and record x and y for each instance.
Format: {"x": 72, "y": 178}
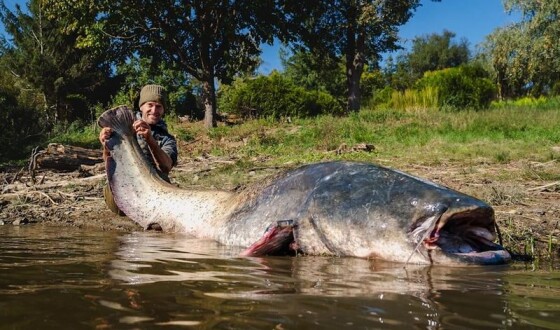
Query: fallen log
{"x": 64, "y": 158}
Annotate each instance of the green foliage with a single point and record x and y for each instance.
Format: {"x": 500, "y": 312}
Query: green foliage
{"x": 354, "y": 31}
{"x": 76, "y": 134}
{"x": 555, "y": 90}
{"x": 464, "y": 87}
{"x": 20, "y": 127}
{"x": 428, "y": 53}
{"x": 371, "y": 82}
{"x": 415, "y": 100}
{"x": 506, "y": 51}
{"x": 314, "y": 71}
{"x": 274, "y": 96}
{"x": 525, "y": 56}
{"x": 138, "y": 72}
{"x": 43, "y": 52}
{"x": 21, "y": 123}
{"x": 436, "y": 52}
{"x": 380, "y": 97}
{"x": 528, "y": 102}
{"x": 397, "y": 73}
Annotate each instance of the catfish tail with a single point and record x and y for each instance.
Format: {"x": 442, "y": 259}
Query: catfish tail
{"x": 119, "y": 119}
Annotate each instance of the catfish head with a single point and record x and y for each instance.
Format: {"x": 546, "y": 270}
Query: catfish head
{"x": 462, "y": 231}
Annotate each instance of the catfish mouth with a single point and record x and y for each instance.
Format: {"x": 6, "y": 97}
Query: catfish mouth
{"x": 464, "y": 236}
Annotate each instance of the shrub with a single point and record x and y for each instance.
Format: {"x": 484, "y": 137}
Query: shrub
{"x": 380, "y": 97}
{"x": 274, "y": 96}
{"x": 20, "y": 126}
{"x": 528, "y": 102}
{"x": 555, "y": 90}
{"x": 466, "y": 86}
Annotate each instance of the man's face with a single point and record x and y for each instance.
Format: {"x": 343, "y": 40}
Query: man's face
{"x": 152, "y": 112}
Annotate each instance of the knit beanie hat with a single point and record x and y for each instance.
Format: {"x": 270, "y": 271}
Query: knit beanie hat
{"x": 152, "y": 93}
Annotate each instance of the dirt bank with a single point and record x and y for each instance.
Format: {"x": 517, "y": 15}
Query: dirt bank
{"x": 527, "y": 207}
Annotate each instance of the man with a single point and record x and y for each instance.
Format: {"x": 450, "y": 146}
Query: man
{"x": 159, "y": 147}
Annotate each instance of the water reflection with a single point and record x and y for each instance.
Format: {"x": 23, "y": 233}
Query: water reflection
{"x": 49, "y": 277}
{"x": 533, "y": 297}
{"x": 53, "y": 278}
{"x": 311, "y": 291}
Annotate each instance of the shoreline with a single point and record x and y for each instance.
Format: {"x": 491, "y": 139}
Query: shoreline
{"x": 527, "y": 211}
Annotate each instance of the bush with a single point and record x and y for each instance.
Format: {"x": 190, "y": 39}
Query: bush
{"x": 555, "y": 90}
{"x": 20, "y": 127}
{"x": 274, "y": 96}
{"x": 528, "y": 102}
{"x": 380, "y": 97}
{"x": 466, "y": 86}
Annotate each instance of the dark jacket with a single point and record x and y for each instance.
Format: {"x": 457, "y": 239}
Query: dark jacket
{"x": 165, "y": 141}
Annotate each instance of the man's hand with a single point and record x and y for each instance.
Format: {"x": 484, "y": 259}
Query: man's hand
{"x": 143, "y": 129}
{"x": 163, "y": 161}
{"x": 105, "y": 134}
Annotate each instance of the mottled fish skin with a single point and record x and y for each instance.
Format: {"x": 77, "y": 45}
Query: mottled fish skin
{"x": 356, "y": 209}
{"x": 146, "y": 198}
{"x": 337, "y": 208}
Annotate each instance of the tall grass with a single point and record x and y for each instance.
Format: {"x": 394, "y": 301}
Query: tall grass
{"x": 412, "y": 100}
{"x": 528, "y": 102}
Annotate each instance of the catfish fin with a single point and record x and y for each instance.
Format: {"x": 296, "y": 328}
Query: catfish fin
{"x": 119, "y": 119}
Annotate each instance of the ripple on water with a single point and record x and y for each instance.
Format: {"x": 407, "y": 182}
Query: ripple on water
{"x": 151, "y": 279}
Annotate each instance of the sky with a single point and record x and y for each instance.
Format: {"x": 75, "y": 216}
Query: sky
{"x": 469, "y": 19}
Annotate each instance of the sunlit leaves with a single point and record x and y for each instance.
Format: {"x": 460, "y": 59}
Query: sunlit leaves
{"x": 526, "y": 55}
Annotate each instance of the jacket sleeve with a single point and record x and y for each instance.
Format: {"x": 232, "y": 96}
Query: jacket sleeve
{"x": 169, "y": 145}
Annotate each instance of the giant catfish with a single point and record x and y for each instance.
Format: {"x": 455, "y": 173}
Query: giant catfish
{"x": 330, "y": 208}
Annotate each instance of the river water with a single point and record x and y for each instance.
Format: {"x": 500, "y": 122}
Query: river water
{"x": 69, "y": 278}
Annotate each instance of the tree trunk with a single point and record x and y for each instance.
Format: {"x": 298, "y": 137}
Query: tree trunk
{"x": 354, "y": 69}
{"x": 354, "y": 94}
{"x": 500, "y": 77}
{"x": 354, "y": 63}
{"x": 209, "y": 100}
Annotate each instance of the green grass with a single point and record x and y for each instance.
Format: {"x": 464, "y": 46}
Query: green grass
{"x": 496, "y": 136}
{"x": 82, "y": 136}
{"x": 499, "y": 135}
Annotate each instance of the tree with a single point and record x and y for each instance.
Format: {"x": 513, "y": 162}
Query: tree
{"x": 507, "y": 50}
{"x": 315, "y": 72}
{"x": 526, "y": 56}
{"x": 20, "y": 122}
{"x": 209, "y": 39}
{"x": 137, "y": 72}
{"x": 436, "y": 52}
{"x": 428, "y": 53}
{"x": 356, "y": 30}
{"x": 397, "y": 73}
{"x": 46, "y": 57}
